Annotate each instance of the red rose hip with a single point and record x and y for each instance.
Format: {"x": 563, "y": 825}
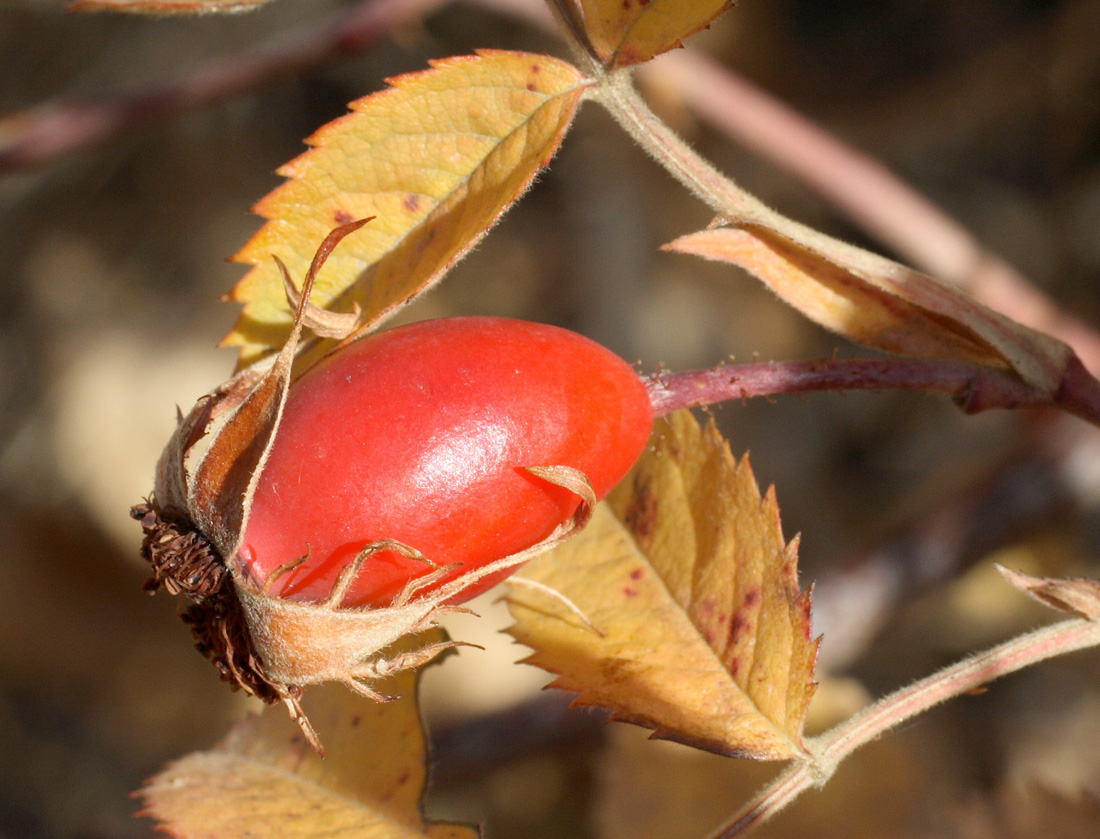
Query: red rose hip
{"x": 421, "y": 434}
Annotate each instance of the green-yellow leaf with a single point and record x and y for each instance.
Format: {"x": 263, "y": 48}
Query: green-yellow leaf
{"x": 436, "y": 158}
{"x": 265, "y": 780}
{"x": 625, "y": 32}
{"x": 701, "y": 632}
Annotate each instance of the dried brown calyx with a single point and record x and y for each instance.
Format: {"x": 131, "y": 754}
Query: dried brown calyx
{"x": 182, "y": 559}
{"x": 185, "y": 562}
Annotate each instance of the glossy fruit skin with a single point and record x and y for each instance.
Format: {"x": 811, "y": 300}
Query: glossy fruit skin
{"x": 420, "y": 434}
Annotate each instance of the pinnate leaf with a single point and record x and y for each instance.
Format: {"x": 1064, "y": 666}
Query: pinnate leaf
{"x": 436, "y": 159}
{"x": 265, "y": 780}
{"x": 700, "y": 631}
{"x": 625, "y": 32}
{"x": 878, "y": 302}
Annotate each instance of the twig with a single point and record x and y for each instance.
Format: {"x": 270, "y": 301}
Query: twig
{"x": 830, "y": 748}
{"x": 972, "y": 387}
{"x": 716, "y": 190}
{"x": 52, "y": 131}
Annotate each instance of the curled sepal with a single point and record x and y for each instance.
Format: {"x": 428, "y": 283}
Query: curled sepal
{"x": 321, "y": 322}
{"x": 209, "y": 488}
{"x": 204, "y": 483}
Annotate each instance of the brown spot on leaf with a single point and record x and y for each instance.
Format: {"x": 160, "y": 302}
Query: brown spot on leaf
{"x": 412, "y": 202}
{"x": 752, "y": 596}
{"x": 629, "y": 591}
{"x": 532, "y": 85}
{"x": 614, "y": 671}
{"x": 736, "y": 628}
{"x": 342, "y": 217}
{"x": 637, "y": 573}
{"x": 642, "y": 514}
{"x": 735, "y": 665}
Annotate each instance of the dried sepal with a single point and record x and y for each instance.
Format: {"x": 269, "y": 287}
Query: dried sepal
{"x": 320, "y": 322}
{"x": 220, "y": 493}
{"x": 310, "y": 643}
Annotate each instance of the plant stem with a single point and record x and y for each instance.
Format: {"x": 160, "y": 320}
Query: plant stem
{"x": 626, "y": 106}
{"x": 973, "y": 387}
{"x": 836, "y": 744}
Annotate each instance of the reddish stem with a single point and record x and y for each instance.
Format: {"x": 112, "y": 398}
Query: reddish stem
{"x": 972, "y": 387}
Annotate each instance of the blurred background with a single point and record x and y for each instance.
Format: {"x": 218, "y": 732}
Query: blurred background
{"x": 113, "y": 259}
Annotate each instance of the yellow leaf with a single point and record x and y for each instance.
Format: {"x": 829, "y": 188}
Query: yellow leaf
{"x": 700, "y": 630}
{"x": 626, "y": 32}
{"x": 878, "y": 302}
{"x": 265, "y": 780}
{"x": 436, "y": 158}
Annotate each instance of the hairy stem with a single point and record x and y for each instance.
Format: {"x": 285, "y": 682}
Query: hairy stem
{"x": 626, "y": 106}
{"x": 836, "y": 744}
